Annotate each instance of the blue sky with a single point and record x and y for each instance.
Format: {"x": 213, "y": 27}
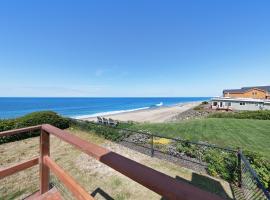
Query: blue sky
{"x": 133, "y": 48}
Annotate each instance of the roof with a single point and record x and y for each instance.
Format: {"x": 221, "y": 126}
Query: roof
{"x": 244, "y": 89}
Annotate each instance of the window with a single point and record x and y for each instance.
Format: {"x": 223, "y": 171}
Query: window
{"x": 214, "y": 103}
{"x": 242, "y": 103}
{"x": 228, "y": 104}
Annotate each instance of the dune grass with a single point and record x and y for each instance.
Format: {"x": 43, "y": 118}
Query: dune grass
{"x": 248, "y": 134}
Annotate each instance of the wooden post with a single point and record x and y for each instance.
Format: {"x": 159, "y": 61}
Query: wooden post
{"x": 239, "y": 168}
{"x": 43, "y": 169}
{"x": 152, "y": 146}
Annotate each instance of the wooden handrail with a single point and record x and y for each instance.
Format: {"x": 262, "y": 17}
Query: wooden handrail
{"x": 18, "y": 167}
{"x": 20, "y": 130}
{"x": 162, "y": 184}
{"x": 89, "y": 148}
{"x": 67, "y": 180}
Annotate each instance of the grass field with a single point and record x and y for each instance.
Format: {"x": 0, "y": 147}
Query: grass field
{"x": 253, "y": 135}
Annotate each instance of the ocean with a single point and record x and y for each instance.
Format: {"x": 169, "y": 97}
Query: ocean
{"x": 85, "y": 107}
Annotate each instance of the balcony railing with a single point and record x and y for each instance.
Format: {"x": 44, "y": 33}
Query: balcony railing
{"x": 162, "y": 184}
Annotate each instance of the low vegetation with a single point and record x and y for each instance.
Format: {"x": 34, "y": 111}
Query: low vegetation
{"x": 106, "y": 132}
{"x": 250, "y": 135}
{"x": 220, "y": 163}
{"x": 201, "y": 106}
{"x": 260, "y": 115}
{"x": 32, "y": 119}
{"x": 253, "y": 136}
{"x": 98, "y": 179}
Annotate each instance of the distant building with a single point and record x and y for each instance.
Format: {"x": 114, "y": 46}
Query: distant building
{"x": 257, "y": 92}
{"x": 246, "y": 98}
{"x": 227, "y": 103}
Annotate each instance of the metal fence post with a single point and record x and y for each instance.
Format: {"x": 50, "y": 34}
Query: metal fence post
{"x": 239, "y": 167}
{"x": 43, "y": 169}
{"x": 152, "y": 145}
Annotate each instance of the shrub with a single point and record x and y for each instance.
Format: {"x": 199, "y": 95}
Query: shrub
{"x": 260, "y": 114}
{"x": 219, "y": 163}
{"x": 107, "y": 132}
{"x": 197, "y": 108}
{"x": 261, "y": 167}
{"x": 188, "y": 149}
{"x": 45, "y": 117}
{"x": 201, "y": 106}
{"x": 223, "y": 164}
{"x": 32, "y": 119}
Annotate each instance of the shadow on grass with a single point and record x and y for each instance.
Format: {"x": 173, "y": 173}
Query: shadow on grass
{"x": 207, "y": 184}
{"x": 101, "y": 193}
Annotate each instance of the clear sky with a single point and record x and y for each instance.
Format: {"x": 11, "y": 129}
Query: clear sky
{"x": 133, "y": 48}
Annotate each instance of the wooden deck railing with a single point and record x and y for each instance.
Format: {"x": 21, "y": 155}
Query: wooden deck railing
{"x": 158, "y": 182}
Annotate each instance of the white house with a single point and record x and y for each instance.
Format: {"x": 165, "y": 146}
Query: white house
{"x": 228, "y": 103}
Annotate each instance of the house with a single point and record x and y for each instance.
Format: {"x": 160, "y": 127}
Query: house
{"x": 227, "y": 103}
{"x": 246, "y": 98}
{"x": 256, "y": 92}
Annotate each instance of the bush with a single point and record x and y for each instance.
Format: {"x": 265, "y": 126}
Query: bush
{"x": 201, "y": 106}
{"x": 107, "y": 132}
{"x": 45, "y": 117}
{"x": 32, "y": 119}
{"x": 221, "y": 163}
{"x": 188, "y": 149}
{"x": 260, "y": 114}
{"x": 261, "y": 167}
{"x": 197, "y": 107}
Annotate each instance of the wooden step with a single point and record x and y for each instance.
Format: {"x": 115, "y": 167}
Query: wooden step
{"x": 52, "y": 194}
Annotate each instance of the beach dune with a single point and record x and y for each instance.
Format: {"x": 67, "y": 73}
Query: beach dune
{"x": 156, "y": 115}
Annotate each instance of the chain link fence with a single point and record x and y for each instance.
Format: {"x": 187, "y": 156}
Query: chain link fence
{"x": 249, "y": 182}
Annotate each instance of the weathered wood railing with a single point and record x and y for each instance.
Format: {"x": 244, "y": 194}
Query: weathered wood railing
{"x": 158, "y": 182}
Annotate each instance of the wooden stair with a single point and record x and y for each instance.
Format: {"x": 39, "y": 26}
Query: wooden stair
{"x": 52, "y": 194}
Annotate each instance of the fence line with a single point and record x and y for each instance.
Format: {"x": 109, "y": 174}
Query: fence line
{"x": 160, "y": 136}
{"x": 248, "y": 180}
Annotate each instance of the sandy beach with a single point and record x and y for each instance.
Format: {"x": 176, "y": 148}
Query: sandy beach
{"x": 161, "y": 114}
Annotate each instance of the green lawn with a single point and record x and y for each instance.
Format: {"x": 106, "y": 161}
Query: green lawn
{"x": 253, "y": 135}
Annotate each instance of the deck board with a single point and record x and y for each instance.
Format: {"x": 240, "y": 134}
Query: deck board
{"x": 52, "y": 194}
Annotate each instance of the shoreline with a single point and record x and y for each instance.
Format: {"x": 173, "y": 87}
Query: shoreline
{"x": 157, "y": 114}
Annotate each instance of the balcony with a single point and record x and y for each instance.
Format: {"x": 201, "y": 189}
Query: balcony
{"x": 160, "y": 183}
